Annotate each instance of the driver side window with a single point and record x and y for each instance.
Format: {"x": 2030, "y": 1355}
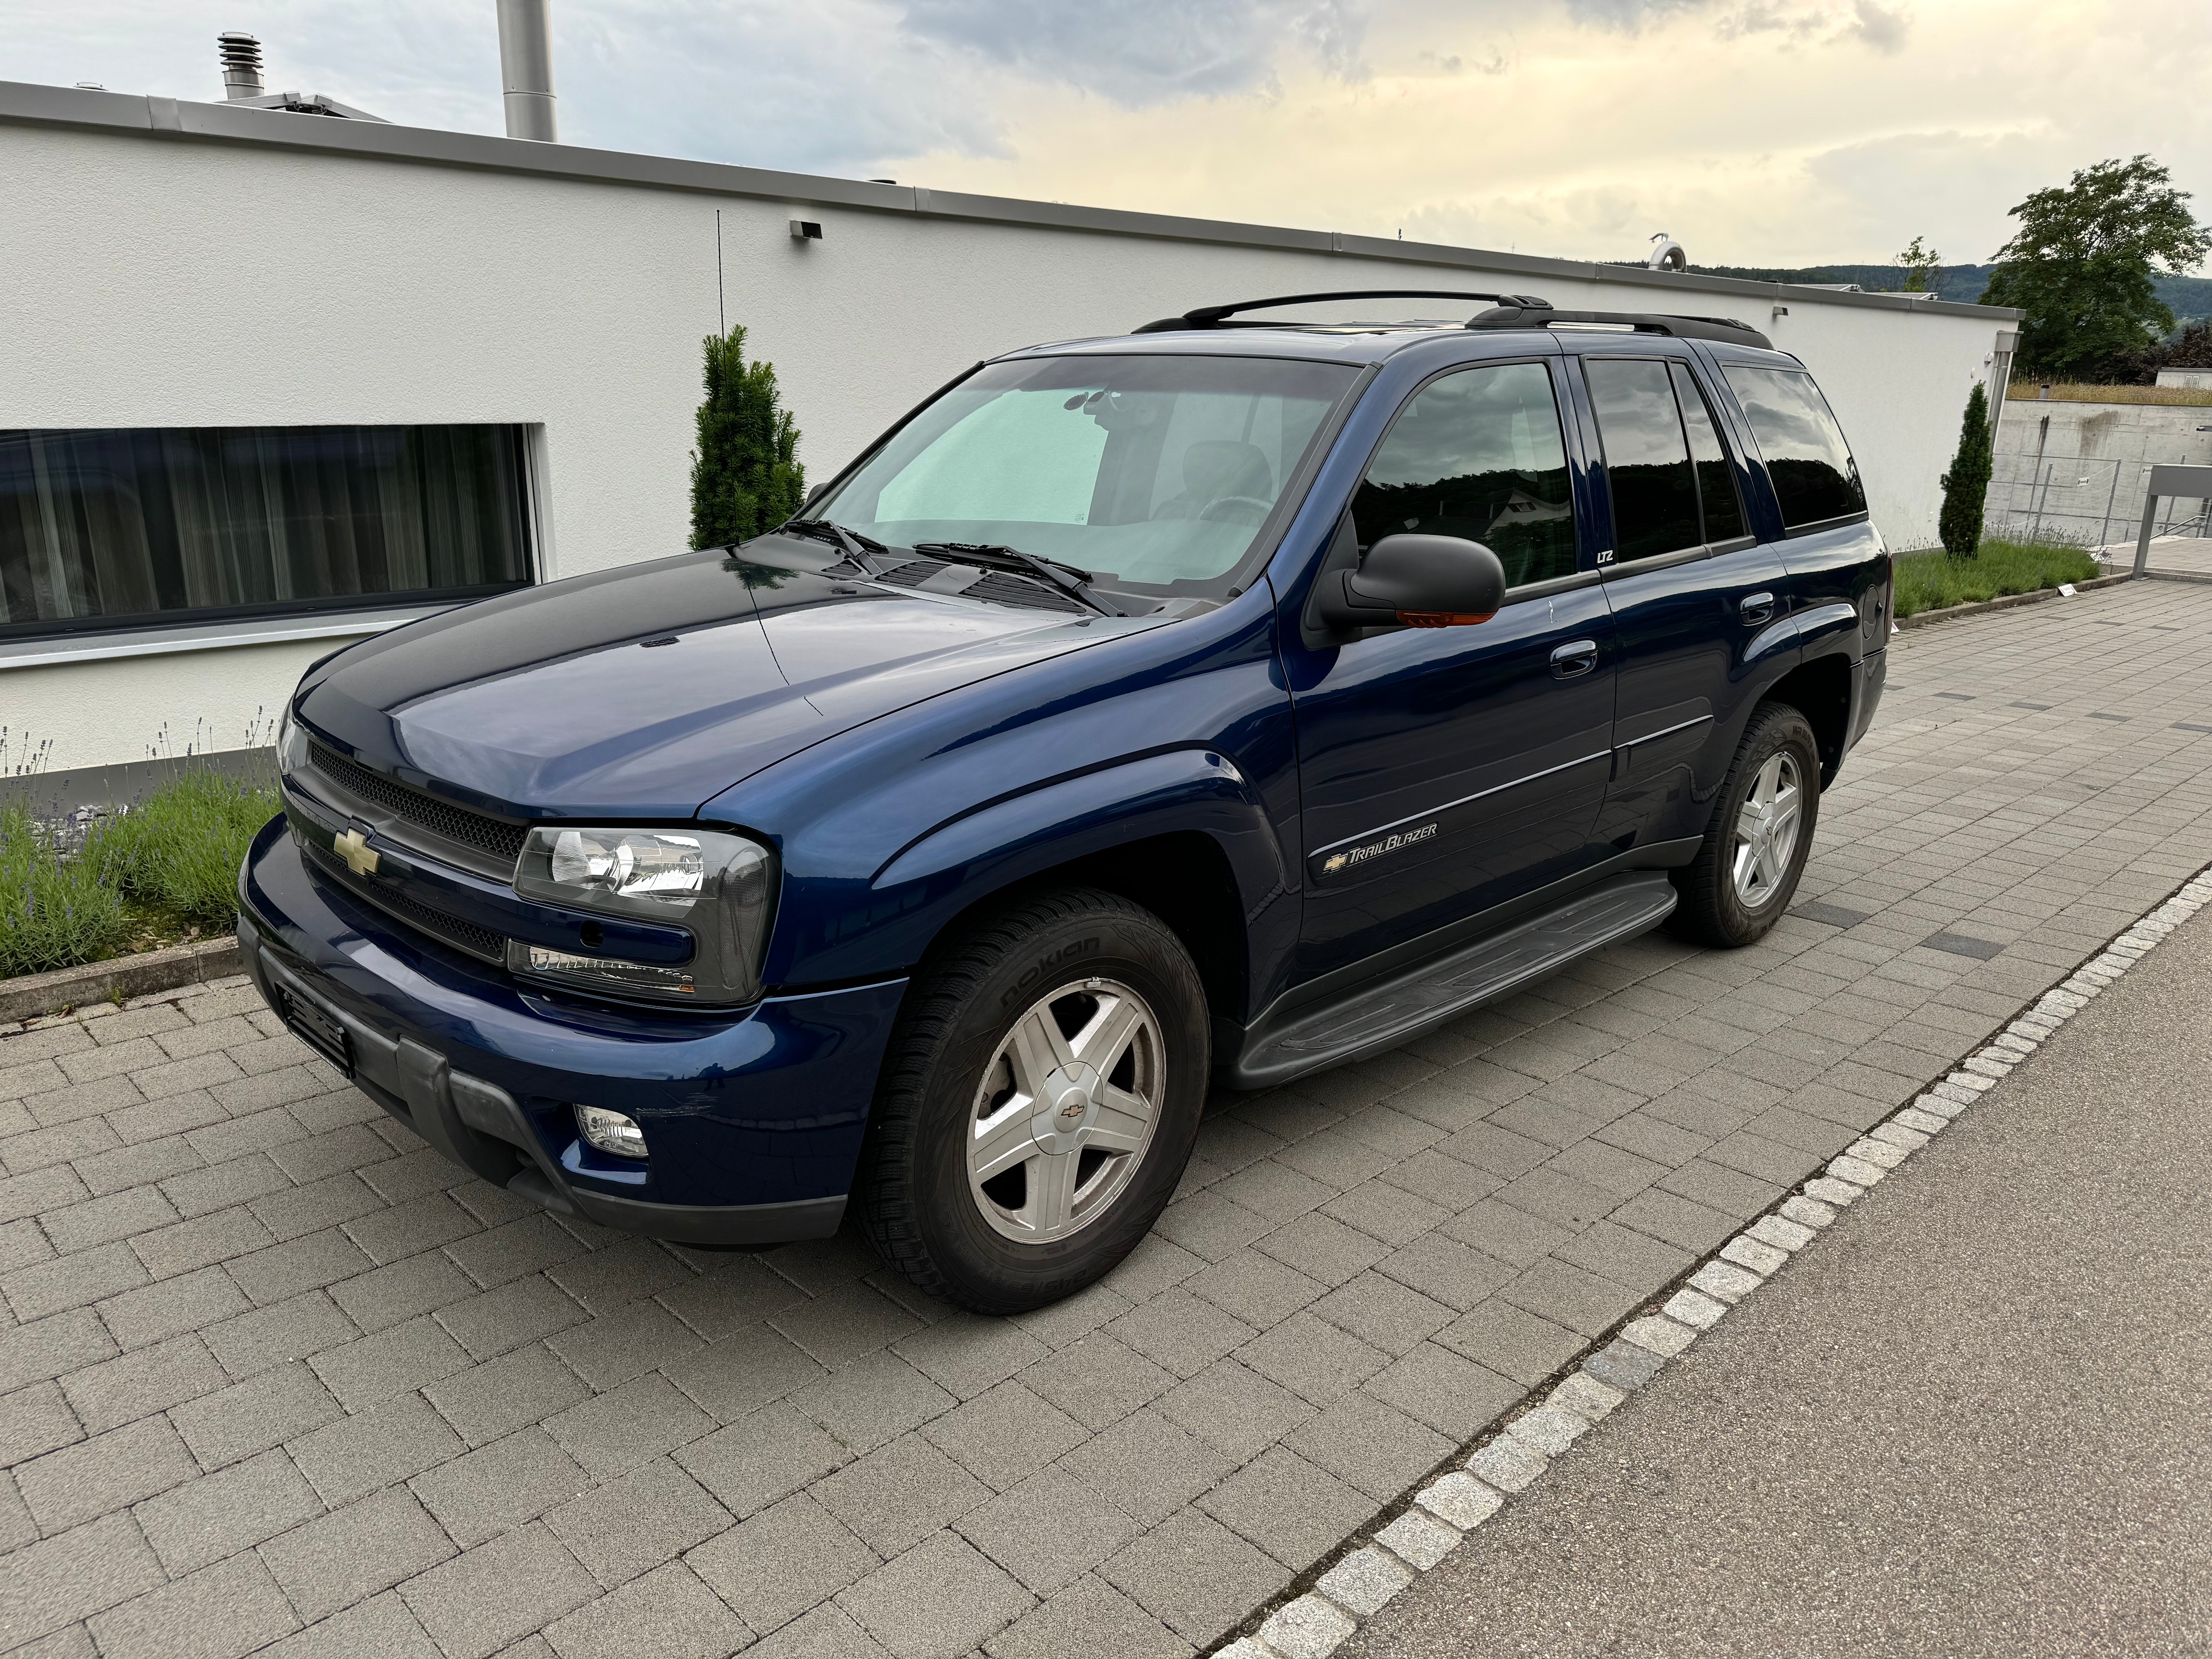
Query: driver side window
{"x": 1478, "y": 454}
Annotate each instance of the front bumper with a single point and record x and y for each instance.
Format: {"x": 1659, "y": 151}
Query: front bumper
{"x": 753, "y": 1117}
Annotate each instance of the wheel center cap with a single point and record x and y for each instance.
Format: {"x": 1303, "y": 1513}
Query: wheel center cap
{"x": 1066, "y": 1108}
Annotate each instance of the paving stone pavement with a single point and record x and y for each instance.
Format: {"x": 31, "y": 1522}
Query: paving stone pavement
{"x": 274, "y": 1378}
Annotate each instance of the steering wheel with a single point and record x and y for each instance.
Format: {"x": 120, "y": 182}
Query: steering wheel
{"x": 1264, "y": 507}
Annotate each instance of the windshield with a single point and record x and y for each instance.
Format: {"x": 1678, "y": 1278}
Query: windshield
{"x": 1149, "y": 473}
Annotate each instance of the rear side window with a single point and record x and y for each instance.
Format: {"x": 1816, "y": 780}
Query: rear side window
{"x": 1815, "y": 477}
{"x": 1647, "y": 460}
{"x": 1716, "y": 483}
{"x": 1478, "y": 454}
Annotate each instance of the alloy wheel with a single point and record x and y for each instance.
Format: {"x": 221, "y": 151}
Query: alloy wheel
{"x": 1066, "y": 1111}
{"x": 1767, "y": 830}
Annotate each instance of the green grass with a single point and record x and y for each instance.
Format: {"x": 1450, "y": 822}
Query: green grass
{"x": 54, "y": 912}
{"x": 1931, "y": 581}
{"x": 177, "y": 851}
{"x": 165, "y": 871}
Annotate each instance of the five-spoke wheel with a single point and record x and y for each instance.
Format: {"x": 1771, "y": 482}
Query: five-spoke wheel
{"x": 1767, "y": 830}
{"x": 1065, "y": 1111}
{"x": 1746, "y": 865}
{"x": 1039, "y": 1101}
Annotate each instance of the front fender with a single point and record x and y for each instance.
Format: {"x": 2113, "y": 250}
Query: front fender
{"x": 927, "y": 884}
{"x": 1159, "y": 794}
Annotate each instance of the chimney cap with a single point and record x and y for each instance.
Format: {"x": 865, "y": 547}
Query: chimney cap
{"x": 241, "y": 64}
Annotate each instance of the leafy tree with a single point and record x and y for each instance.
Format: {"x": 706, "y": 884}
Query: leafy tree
{"x": 745, "y": 476}
{"x": 2081, "y": 263}
{"x": 1967, "y": 484}
{"x": 2191, "y": 348}
{"x": 1920, "y": 266}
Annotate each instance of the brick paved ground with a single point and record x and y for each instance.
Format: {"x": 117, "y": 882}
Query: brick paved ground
{"x": 2189, "y": 556}
{"x": 274, "y": 1377}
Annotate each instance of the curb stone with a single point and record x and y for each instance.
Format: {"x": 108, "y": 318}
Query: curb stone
{"x": 1450, "y": 1507}
{"x": 169, "y": 969}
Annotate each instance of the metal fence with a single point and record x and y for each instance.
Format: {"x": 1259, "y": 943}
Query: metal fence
{"x": 2082, "y": 500}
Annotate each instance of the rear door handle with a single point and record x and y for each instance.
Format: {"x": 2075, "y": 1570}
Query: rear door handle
{"x": 1756, "y": 608}
{"x": 1574, "y": 659}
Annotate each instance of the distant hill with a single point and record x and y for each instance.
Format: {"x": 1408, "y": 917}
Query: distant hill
{"x": 2190, "y": 298}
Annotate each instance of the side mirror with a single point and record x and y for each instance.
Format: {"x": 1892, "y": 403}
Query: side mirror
{"x": 1416, "y": 581}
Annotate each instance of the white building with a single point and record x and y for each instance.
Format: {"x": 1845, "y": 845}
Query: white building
{"x": 273, "y": 380}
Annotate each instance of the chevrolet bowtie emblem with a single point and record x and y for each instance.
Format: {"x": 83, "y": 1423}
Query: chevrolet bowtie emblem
{"x": 352, "y": 847}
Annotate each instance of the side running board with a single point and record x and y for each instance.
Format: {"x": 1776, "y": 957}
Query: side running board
{"x": 1374, "y": 1017}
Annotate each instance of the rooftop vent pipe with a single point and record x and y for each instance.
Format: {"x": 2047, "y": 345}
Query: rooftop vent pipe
{"x": 526, "y": 69}
{"x": 241, "y": 65}
{"x": 1666, "y": 253}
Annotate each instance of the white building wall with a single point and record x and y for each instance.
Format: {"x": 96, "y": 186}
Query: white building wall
{"x": 157, "y": 278}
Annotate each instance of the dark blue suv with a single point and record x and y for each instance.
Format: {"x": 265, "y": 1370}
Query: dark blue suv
{"x": 1212, "y": 703}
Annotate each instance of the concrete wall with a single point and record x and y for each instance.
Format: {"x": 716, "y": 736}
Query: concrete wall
{"x": 2087, "y": 485}
{"x": 184, "y": 264}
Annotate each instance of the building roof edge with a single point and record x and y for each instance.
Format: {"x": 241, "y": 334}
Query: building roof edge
{"x": 27, "y": 103}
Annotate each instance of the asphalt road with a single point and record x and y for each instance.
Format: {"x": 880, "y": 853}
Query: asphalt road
{"x": 1970, "y": 1419}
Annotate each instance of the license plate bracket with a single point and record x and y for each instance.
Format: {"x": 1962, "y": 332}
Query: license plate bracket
{"x": 319, "y": 1028}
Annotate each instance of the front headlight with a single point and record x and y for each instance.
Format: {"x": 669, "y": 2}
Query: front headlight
{"x": 717, "y": 886}
{"x": 291, "y": 743}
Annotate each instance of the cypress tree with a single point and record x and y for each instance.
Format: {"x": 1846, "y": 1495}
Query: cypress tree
{"x": 745, "y": 475}
{"x": 1967, "y": 483}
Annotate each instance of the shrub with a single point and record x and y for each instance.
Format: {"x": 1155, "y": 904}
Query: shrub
{"x": 1967, "y": 484}
{"x": 179, "y": 850}
{"x": 745, "y": 476}
{"x": 54, "y": 912}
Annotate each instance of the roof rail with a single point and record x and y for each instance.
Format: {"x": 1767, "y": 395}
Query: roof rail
{"x": 1510, "y": 315}
{"x": 1217, "y": 316}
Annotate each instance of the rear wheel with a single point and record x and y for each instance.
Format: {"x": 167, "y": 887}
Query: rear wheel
{"x": 1754, "y": 850}
{"x": 1039, "y": 1102}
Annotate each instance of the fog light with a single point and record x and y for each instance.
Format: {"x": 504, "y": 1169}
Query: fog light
{"x": 610, "y": 1132}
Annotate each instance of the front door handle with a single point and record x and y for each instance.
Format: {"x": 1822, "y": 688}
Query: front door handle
{"x": 1755, "y": 609}
{"x": 1574, "y": 659}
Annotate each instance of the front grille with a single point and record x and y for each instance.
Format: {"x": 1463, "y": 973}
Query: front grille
{"x": 495, "y": 836}
{"x": 464, "y": 936}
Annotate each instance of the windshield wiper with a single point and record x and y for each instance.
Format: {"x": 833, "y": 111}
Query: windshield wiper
{"x": 993, "y": 556}
{"x": 858, "y": 548}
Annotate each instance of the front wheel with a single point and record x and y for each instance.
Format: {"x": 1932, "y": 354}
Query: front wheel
{"x": 1038, "y": 1104}
{"x": 1747, "y": 867}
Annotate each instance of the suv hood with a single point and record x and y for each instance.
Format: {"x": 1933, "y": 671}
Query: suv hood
{"x": 644, "y": 692}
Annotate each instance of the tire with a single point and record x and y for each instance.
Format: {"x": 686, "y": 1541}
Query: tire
{"x": 999, "y": 1174}
{"x": 1717, "y": 902}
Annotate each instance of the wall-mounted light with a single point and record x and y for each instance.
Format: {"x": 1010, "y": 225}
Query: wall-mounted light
{"x": 805, "y": 230}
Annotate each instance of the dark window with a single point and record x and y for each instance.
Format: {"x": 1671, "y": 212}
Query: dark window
{"x": 1715, "y": 481}
{"x": 1647, "y": 461}
{"x": 1478, "y": 454}
{"x": 1815, "y": 477}
{"x": 105, "y": 529}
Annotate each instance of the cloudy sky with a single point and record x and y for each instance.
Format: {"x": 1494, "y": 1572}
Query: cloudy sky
{"x": 1760, "y": 132}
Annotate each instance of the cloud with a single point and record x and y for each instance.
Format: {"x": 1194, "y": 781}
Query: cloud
{"x": 829, "y": 88}
{"x": 1628, "y": 15}
{"x": 1881, "y": 27}
{"x": 1139, "y": 52}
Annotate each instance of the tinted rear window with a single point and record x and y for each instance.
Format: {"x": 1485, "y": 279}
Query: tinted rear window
{"x": 1813, "y": 474}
